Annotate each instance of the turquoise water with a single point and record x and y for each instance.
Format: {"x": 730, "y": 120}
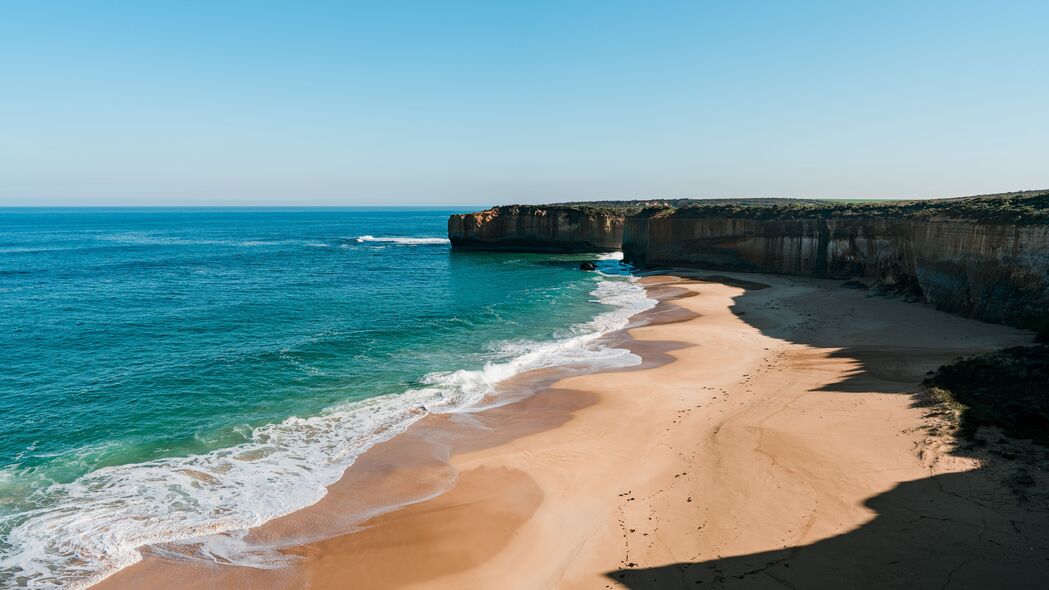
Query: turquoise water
{"x": 166, "y": 374}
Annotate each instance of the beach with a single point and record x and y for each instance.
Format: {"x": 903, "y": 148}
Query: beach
{"x": 524, "y": 296}
{"x": 771, "y": 437}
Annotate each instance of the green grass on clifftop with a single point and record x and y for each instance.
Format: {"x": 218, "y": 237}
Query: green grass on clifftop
{"x": 591, "y": 211}
{"x": 1029, "y": 207}
{"x": 1025, "y": 207}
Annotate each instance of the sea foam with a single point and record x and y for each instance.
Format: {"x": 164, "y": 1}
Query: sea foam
{"x": 403, "y": 241}
{"x": 86, "y": 530}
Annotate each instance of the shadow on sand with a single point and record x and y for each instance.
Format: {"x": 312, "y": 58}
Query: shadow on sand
{"x": 956, "y": 530}
{"x": 929, "y": 533}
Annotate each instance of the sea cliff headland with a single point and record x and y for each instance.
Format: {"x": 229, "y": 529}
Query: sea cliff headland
{"x": 525, "y": 228}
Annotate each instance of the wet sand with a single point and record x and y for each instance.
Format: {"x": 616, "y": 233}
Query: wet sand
{"x": 772, "y": 437}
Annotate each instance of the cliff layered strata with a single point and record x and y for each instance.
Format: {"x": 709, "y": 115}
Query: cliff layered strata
{"x": 538, "y": 229}
{"x": 993, "y": 272}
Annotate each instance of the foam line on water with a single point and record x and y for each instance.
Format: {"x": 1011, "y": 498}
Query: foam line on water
{"x": 85, "y": 530}
{"x": 404, "y": 241}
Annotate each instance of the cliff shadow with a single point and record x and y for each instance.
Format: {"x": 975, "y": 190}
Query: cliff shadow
{"x": 948, "y": 531}
{"x": 986, "y": 528}
{"x": 891, "y": 343}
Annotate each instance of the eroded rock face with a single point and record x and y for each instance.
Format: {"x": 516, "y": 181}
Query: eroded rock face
{"x": 989, "y": 271}
{"x": 538, "y": 229}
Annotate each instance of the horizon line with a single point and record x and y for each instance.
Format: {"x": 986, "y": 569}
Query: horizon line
{"x": 489, "y": 204}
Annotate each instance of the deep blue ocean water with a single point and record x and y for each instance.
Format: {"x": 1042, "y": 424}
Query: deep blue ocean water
{"x": 170, "y": 373}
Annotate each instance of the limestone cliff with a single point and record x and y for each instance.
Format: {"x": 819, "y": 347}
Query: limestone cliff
{"x": 553, "y": 228}
{"x": 979, "y": 258}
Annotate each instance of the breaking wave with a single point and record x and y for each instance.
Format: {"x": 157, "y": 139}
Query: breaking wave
{"x": 403, "y": 241}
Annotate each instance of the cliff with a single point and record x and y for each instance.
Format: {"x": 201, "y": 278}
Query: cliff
{"x": 981, "y": 257}
{"x": 985, "y": 258}
{"x": 548, "y": 228}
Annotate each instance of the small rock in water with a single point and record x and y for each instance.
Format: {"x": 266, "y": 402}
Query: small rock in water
{"x": 588, "y": 266}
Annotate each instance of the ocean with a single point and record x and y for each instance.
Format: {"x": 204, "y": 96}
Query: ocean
{"x": 169, "y": 374}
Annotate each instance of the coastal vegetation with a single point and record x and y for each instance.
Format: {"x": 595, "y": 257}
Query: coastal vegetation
{"x": 636, "y": 205}
{"x": 1027, "y": 207}
{"x": 1008, "y": 389}
{"x": 1023, "y": 207}
{"x": 585, "y": 210}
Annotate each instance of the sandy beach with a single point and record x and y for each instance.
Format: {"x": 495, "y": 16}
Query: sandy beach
{"x": 772, "y": 438}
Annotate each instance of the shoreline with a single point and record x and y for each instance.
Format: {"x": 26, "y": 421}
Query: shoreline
{"x": 394, "y": 473}
{"x": 689, "y": 458}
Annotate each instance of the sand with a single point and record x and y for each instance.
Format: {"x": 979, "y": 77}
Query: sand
{"x": 772, "y": 438}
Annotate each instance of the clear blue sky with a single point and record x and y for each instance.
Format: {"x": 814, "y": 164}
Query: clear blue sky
{"x": 154, "y": 103}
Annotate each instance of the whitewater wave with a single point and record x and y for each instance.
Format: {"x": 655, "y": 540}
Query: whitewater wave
{"x": 30, "y": 249}
{"x": 404, "y": 241}
{"x": 86, "y": 530}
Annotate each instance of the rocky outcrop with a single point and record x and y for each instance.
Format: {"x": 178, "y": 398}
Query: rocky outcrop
{"x": 539, "y": 229}
{"x": 996, "y": 272}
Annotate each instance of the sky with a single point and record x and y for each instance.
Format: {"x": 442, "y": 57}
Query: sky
{"x": 464, "y": 103}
